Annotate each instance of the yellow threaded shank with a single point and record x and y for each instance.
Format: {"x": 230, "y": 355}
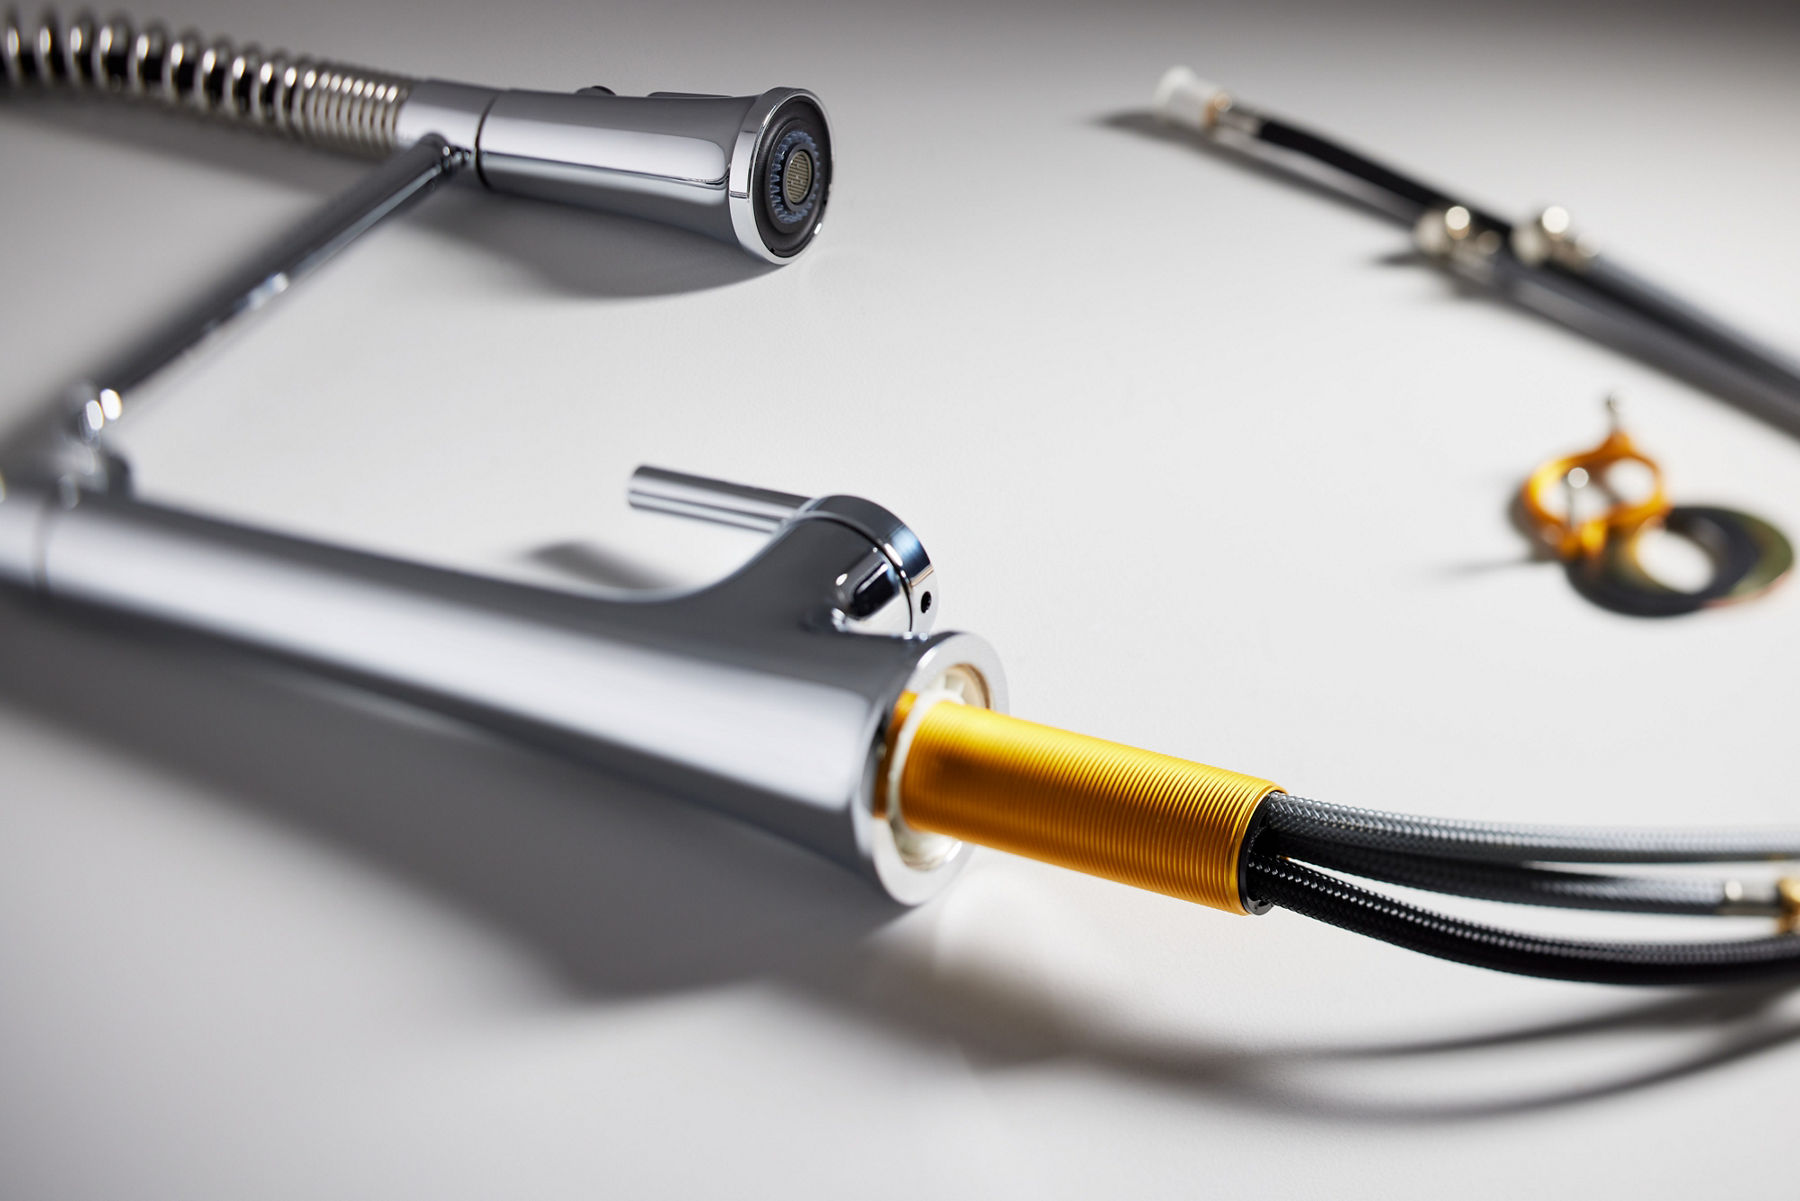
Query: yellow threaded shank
{"x": 1144, "y": 819}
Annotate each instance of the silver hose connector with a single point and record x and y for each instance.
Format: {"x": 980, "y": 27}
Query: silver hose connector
{"x": 324, "y": 104}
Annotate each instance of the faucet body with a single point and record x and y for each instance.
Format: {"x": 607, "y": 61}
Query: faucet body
{"x": 767, "y": 695}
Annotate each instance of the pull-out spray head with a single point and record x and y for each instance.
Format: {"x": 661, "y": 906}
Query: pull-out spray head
{"x": 751, "y": 170}
{"x": 754, "y": 171}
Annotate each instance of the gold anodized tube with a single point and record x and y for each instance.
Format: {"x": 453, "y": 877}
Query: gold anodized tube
{"x": 1152, "y": 821}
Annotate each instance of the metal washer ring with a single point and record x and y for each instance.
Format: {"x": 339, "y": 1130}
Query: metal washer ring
{"x": 1749, "y": 556}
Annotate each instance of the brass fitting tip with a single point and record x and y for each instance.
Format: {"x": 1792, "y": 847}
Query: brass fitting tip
{"x": 1787, "y": 891}
{"x": 1152, "y": 821}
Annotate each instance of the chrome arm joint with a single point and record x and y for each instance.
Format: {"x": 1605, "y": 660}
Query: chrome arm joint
{"x": 892, "y": 588}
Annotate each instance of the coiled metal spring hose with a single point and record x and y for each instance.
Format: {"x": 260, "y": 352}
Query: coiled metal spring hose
{"x": 324, "y": 104}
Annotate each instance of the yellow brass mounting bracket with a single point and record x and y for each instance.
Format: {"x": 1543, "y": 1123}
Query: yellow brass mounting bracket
{"x": 1582, "y": 539}
{"x": 1749, "y": 555}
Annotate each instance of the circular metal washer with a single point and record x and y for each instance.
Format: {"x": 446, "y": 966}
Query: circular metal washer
{"x": 1749, "y": 557}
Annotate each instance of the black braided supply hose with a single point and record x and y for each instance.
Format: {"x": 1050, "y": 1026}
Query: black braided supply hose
{"x": 1348, "y": 907}
{"x": 1316, "y": 823}
{"x": 1420, "y": 196}
{"x": 1532, "y": 885}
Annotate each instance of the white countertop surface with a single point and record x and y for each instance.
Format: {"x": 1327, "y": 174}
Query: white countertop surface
{"x": 1211, "y": 461}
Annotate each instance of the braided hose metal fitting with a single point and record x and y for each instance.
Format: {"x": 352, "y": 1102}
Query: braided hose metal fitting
{"x": 1152, "y": 821}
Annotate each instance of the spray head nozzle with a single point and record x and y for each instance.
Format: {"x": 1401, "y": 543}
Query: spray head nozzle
{"x": 754, "y": 171}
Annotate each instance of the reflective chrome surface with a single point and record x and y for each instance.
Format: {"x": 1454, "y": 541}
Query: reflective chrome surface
{"x": 452, "y": 111}
{"x": 658, "y": 491}
{"x": 1550, "y": 236}
{"x": 715, "y": 164}
{"x": 764, "y": 695}
{"x": 681, "y": 160}
{"x": 767, "y": 695}
{"x": 896, "y": 575}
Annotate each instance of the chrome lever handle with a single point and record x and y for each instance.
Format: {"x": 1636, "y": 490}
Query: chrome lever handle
{"x": 701, "y": 498}
{"x": 891, "y": 590}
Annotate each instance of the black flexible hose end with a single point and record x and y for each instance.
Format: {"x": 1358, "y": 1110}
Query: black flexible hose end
{"x": 1339, "y": 903}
